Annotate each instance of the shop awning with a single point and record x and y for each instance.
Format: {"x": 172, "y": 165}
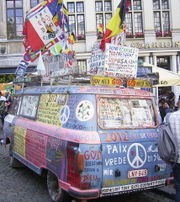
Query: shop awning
{"x": 166, "y": 78}
{"x": 11, "y": 70}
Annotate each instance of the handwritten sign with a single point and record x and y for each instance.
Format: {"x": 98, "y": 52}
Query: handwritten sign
{"x": 139, "y": 83}
{"x": 29, "y": 105}
{"x": 95, "y": 65}
{"x": 36, "y": 147}
{"x": 120, "y": 61}
{"x": 19, "y": 140}
{"x": 96, "y": 80}
{"x": 49, "y": 108}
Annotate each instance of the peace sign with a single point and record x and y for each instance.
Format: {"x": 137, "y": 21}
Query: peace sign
{"x": 136, "y": 155}
{"x": 64, "y": 114}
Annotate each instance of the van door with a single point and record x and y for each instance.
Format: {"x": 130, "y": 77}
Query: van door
{"x": 128, "y": 132}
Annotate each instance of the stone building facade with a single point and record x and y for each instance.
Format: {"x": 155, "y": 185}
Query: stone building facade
{"x": 153, "y": 26}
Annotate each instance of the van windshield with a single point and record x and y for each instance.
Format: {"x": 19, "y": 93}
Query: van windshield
{"x": 125, "y": 113}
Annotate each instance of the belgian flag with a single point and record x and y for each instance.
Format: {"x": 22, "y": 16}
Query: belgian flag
{"x": 114, "y": 26}
{"x": 72, "y": 39}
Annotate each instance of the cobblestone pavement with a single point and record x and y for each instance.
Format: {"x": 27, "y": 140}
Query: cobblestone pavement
{"x": 20, "y": 185}
{"x": 23, "y": 185}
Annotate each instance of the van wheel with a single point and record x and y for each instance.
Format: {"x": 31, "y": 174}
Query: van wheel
{"x": 55, "y": 192}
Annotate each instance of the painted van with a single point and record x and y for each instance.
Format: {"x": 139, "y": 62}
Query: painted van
{"x": 90, "y": 141}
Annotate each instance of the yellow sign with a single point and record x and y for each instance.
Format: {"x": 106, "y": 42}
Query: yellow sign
{"x": 48, "y": 111}
{"x": 97, "y": 80}
{"x": 19, "y": 140}
{"x": 139, "y": 83}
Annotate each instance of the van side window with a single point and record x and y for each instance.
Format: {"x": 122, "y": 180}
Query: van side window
{"x": 14, "y": 105}
{"x": 125, "y": 112}
{"x": 28, "y": 106}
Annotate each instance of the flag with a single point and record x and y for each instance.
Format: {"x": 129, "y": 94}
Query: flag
{"x": 45, "y": 28}
{"x": 40, "y": 66}
{"x": 72, "y": 39}
{"x": 100, "y": 28}
{"x": 21, "y": 69}
{"x": 115, "y": 25}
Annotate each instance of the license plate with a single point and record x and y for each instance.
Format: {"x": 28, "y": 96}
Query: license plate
{"x": 137, "y": 173}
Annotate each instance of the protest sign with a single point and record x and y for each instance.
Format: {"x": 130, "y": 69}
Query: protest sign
{"x": 120, "y": 61}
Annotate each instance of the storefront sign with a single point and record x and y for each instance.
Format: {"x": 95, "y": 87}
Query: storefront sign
{"x": 158, "y": 44}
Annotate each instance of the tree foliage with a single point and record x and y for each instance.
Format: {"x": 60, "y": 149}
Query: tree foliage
{"x": 6, "y": 78}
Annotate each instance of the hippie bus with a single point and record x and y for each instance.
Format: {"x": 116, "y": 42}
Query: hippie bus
{"x": 90, "y": 141}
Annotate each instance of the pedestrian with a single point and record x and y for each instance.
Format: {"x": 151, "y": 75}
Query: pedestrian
{"x": 7, "y": 102}
{"x": 2, "y": 107}
{"x": 174, "y": 122}
{"x": 171, "y": 99}
{"x": 164, "y": 108}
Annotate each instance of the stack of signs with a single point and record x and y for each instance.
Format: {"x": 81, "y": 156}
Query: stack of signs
{"x": 57, "y": 66}
{"x": 117, "y": 61}
{"x": 95, "y": 64}
{"x": 46, "y": 31}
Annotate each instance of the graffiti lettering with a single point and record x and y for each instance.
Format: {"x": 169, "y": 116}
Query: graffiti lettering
{"x": 116, "y": 149}
{"x": 89, "y": 178}
{"x": 108, "y": 172}
{"x": 115, "y": 137}
{"x": 95, "y": 155}
{"x": 153, "y": 158}
{"x": 115, "y": 161}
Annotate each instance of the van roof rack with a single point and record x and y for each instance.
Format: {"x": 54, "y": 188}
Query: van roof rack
{"x": 142, "y": 81}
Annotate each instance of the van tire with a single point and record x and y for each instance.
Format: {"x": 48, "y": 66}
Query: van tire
{"x": 55, "y": 192}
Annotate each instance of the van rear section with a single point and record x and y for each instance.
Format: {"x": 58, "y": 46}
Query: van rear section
{"x": 129, "y": 135}
{"x": 125, "y": 158}
{"x": 131, "y": 162}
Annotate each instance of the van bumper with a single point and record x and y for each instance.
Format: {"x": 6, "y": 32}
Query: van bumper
{"x": 170, "y": 181}
{"x": 79, "y": 193}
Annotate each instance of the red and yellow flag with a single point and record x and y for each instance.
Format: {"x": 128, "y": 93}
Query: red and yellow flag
{"x": 114, "y": 26}
{"x": 100, "y": 28}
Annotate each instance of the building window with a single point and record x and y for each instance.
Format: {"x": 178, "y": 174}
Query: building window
{"x": 14, "y": 11}
{"x": 103, "y": 15}
{"x": 76, "y": 19}
{"x": 134, "y": 20}
{"x": 161, "y": 18}
{"x": 82, "y": 65}
{"x": 163, "y": 62}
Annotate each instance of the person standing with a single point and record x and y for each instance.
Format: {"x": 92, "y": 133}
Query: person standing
{"x": 174, "y": 122}
{"x": 2, "y": 107}
{"x": 164, "y": 109}
{"x": 171, "y": 99}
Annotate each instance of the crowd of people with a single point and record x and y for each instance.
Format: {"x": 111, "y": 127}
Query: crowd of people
{"x": 167, "y": 104}
{"x": 5, "y": 102}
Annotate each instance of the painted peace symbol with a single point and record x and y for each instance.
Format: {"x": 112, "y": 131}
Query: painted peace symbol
{"x": 84, "y": 110}
{"x": 64, "y": 114}
{"x": 136, "y": 155}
